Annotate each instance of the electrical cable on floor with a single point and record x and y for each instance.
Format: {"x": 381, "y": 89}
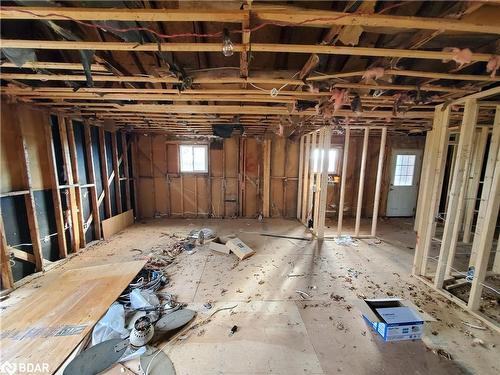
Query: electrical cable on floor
{"x": 468, "y": 277}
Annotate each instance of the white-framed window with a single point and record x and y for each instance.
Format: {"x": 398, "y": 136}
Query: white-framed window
{"x": 193, "y": 158}
{"x": 405, "y": 168}
{"x": 333, "y": 160}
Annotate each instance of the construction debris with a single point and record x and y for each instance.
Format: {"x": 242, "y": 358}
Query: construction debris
{"x": 239, "y": 248}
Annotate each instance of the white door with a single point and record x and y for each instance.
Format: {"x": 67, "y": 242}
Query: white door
{"x": 403, "y": 189}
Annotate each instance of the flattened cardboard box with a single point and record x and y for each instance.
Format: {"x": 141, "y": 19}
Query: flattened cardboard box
{"x": 393, "y": 319}
{"x": 239, "y": 248}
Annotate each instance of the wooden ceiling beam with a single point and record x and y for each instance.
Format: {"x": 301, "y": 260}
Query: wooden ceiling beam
{"x": 121, "y": 14}
{"x": 98, "y": 78}
{"x": 234, "y": 109}
{"x": 410, "y": 73}
{"x": 255, "y": 47}
{"x": 278, "y": 14}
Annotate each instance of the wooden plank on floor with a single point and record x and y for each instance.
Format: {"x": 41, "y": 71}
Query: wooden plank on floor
{"x": 47, "y": 327}
{"x": 117, "y": 223}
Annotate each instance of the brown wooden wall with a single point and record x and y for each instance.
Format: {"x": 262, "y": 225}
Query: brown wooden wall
{"x": 232, "y": 188}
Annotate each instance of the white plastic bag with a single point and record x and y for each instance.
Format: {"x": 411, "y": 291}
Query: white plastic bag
{"x": 111, "y": 326}
{"x": 144, "y": 299}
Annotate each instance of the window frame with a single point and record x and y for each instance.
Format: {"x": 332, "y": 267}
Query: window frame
{"x": 397, "y": 177}
{"x": 192, "y": 146}
{"x": 333, "y": 148}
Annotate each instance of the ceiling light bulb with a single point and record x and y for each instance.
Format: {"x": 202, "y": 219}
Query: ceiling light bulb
{"x": 227, "y": 45}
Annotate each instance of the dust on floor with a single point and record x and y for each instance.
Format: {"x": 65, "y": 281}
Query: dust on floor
{"x": 279, "y": 332}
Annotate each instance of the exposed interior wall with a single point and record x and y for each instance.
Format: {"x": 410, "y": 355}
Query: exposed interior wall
{"x": 52, "y": 186}
{"x": 231, "y": 188}
{"x": 352, "y": 181}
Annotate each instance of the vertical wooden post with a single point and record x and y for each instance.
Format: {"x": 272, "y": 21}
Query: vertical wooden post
{"x": 473, "y": 186}
{"x": 305, "y": 185}
{"x": 317, "y": 178}
{"x": 484, "y": 239}
{"x": 68, "y": 170}
{"x": 380, "y": 167}
{"x": 135, "y": 171}
{"x": 125, "y": 147}
{"x": 29, "y": 200}
{"x": 434, "y": 175}
{"x": 496, "y": 261}
{"x": 104, "y": 172}
{"x": 7, "y": 278}
{"x": 361, "y": 182}
{"x": 93, "y": 189}
{"x": 452, "y": 221}
{"x": 266, "y": 171}
{"x": 345, "y": 159}
{"x": 423, "y": 186}
{"x": 116, "y": 168}
{"x": 56, "y": 197}
{"x": 309, "y": 207}
{"x": 323, "y": 185}
{"x": 485, "y": 192}
{"x": 76, "y": 181}
{"x": 300, "y": 182}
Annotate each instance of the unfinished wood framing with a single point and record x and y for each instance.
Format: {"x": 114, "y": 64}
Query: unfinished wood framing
{"x": 125, "y": 151}
{"x": 469, "y": 160}
{"x": 488, "y": 211}
{"x": 29, "y": 201}
{"x": 474, "y": 179}
{"x": 321, "y": 189}
{"x": 361, "y": 183}
{"x": 116, "y": 170}
{"x": 7, "y": 278}
{"x": 378, "y": 183}
{"x": 91, "y": 176}
{"x": 266, "y": 185}
{"x": 345, "y": 158}
{"x": 432, "y": 179}
{"x": 82, "y": 222}
{"x": 104, "y": 173}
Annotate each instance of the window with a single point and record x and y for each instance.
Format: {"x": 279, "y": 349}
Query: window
{"x": 333, "y": 160}
{"x": 194, "y": 158}
{"x": 405, "y": 167}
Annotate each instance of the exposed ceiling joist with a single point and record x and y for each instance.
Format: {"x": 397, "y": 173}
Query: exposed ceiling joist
{"x": 285, "y": 15}
{"x": 255, "y": 47}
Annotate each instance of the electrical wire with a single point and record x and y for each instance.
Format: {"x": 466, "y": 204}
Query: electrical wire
{"x": 217, "y": 34}
{"x": 468, "y": 277}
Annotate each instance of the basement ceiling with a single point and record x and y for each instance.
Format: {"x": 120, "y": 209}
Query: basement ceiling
{"x": 154, "y": 66}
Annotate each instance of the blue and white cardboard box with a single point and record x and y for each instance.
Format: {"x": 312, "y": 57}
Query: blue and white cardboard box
{"x": 393, "y": 319}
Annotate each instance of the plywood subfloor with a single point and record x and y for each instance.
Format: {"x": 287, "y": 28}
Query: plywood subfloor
{"x": 280, "y": 333}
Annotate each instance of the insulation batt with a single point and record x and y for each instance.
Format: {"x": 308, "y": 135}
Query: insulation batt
{"x": 373, "y": 73}
{"x": 460, "y": 56}
{"x": 493, "y": 65}
{"x": 338, "y": 98}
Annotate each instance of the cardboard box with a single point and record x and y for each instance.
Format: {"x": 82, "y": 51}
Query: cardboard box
{"x": 219, "y": 247}
{"x": 393, "y": 319}
{"x": 239, "y": 248}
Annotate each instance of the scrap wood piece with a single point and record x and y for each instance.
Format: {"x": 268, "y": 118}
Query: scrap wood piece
{"x": 117, "y": 223}
{"x": 48, "y": 326}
